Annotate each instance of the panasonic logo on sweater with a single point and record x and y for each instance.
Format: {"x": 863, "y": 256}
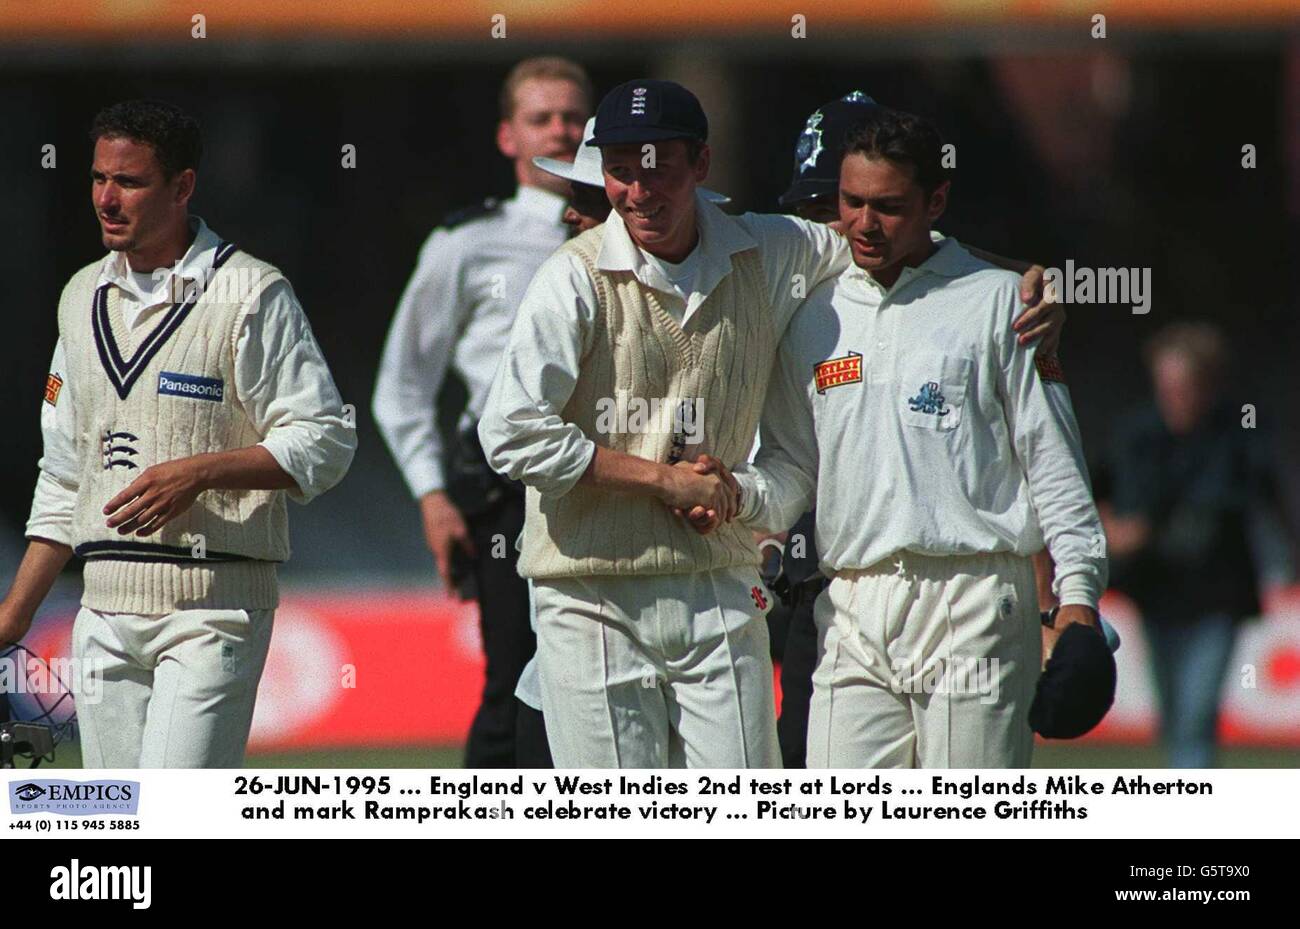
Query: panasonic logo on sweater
{"x": 191, "y": 385}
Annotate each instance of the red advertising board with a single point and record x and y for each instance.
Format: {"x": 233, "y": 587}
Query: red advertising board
{"x": 393, "y": 667}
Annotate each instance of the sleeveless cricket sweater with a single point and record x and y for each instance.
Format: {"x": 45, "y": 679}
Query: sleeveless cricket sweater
{"x": 168, "y": 396}
{"x": 639, "y": 353}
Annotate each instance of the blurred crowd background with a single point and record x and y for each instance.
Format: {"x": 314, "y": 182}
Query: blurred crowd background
{"x": 1117, "y": 151}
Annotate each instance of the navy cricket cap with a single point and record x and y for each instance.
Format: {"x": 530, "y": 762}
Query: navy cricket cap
{"x": 647, "y": 110}
{"x": 1077, "y": 687}
{"x": 818, "y": 152}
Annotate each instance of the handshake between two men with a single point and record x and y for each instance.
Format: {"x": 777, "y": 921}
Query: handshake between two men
{"x": 704, "y": 493}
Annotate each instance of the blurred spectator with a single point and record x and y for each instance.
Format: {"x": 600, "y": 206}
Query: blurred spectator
{"x": 1192, "y": 527}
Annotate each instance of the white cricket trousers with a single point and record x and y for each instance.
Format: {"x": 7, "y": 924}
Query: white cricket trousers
{"x": 926, "y": 662}
{"x": 177, "y": 690}
{"x": 657, "y": 671}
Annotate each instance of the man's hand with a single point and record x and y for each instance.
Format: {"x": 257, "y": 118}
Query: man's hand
{"x": 444, "y": 528}
{"x": 702, "y": 519}
{"x": 160, "y": 494}
{"x": 1065, "y": 617}
{"x": 702, "y": 488}
{"x": 1042, "y": 318}
{"x": 14, "y": 623}
{"x": 165, "y": 491}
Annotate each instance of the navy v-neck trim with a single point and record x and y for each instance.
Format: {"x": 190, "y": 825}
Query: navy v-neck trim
{"x": 122, "y": 373}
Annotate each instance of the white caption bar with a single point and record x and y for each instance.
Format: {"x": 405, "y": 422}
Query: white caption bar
{"x": 439, "y": 803}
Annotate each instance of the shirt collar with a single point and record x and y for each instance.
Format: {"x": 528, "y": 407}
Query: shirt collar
{"x": 194, "y": 266}
{"x": 721, "y": 236}
{"x": 540, "y": 203}
{"x": 948, "y": 260}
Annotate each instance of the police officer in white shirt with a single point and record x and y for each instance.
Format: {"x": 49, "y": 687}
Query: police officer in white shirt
{"x": 456, "y": 316}
{"x": 942, "y": 458}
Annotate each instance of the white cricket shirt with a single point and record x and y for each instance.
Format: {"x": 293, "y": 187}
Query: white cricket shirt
{"x": 924, "y": 427}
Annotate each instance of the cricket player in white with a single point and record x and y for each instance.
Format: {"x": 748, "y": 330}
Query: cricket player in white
{"x": 187, "y": 399}
{"x": 588, "y": 208}
{"x": 652, "y": 649}
{"x": 942, "y": 457}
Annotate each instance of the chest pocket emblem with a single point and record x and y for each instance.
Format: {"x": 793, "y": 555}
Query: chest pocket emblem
{"x": 928, "y": 400}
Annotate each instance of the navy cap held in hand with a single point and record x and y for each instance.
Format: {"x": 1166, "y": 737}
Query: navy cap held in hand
{"x": 1077, "y": 687}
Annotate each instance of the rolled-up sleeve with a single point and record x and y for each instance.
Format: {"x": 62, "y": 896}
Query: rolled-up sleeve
{"x": 780, "y": 484}
{"x": 1048, "y": 446}
{"x": 56, "y": 485}
{"x": 287, "y": 391}
{"x": 522, "y": 431}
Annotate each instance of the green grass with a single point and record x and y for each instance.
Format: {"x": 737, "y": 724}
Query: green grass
{"x": 450, "y": 756}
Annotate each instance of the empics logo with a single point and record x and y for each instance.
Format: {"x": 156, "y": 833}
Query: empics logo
{"x": 103, "y": 882}
{"x": 29, "y": 792}
{"x": 74, "y": 798}
{"x": 836, "y": 371}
